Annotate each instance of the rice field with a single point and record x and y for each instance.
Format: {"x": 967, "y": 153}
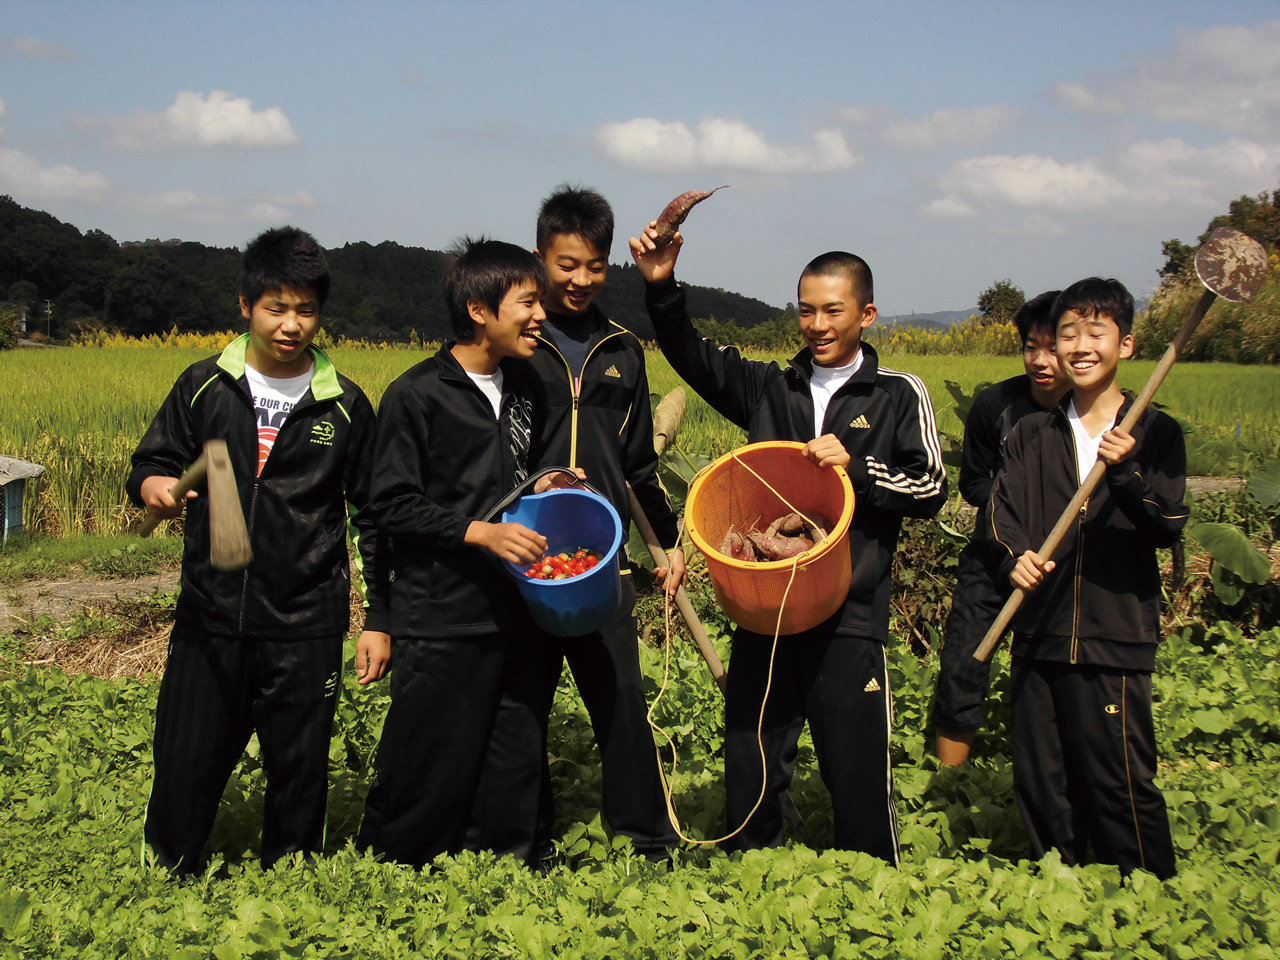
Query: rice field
{"x": 79, "y": 411}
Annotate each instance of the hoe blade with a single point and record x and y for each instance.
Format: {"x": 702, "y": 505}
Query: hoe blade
{"x": 1232, "y": 264}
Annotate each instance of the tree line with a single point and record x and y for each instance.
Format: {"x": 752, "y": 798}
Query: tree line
{"x": 381, "y": 292}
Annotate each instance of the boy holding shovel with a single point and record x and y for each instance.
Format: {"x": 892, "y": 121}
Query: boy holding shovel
{"x": 1085, "y": 641}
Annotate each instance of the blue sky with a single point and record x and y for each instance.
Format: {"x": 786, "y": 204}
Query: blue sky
{"x": 950, "y": 144}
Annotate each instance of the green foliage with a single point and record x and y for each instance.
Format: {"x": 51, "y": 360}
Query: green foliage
{"x": 8, "y": 328}
{"x": 1000, "y": 301}
{"x": 75, "y": 755}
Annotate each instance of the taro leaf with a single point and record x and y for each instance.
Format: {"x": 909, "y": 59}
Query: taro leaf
{"x": 1227, "y": 587}
{"x": 677, "y": 470}
{"x": 1229, "y": 547}
{"x": 1264, "y": 486}
{"x": 964, "y": 401}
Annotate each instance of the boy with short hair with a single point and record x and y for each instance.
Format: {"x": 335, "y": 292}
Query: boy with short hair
{"x": 980, "y": 591}
{"x": 598, "y": 420}
{"x": 877, "y": 423}
{"x": 455, "y": 436}
{"x": 261, "y": 649}
{"x": 1085, "y": 641}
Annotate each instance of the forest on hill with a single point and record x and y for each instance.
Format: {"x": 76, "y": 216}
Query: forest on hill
{"x": 380, "y": 292}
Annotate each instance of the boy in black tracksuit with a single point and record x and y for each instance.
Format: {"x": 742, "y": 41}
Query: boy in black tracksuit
{"x": 1085, "y": 641}
{"x": 980, "y": 591}
{"x": 598, "y": 420}
{"x": 261, "y": 649}
{"x": 455, "y": 436}
{"x": 879, "y": 424}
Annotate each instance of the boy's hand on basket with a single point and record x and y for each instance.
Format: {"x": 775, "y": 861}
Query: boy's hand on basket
{"x": 560, "y": 481}
{"x": 513, "y": 542}
{"x": 827, "y": 451}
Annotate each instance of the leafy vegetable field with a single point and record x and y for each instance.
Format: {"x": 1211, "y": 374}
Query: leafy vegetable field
{"x": 73, "y": 883}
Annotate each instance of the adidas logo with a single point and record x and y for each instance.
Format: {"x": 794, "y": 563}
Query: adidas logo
{"x": 873, "y": 686}
{"x": 860, "y": 423}
{"x": 613, "y": 372}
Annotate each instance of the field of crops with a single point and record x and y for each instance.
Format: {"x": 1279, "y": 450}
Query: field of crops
{"x": 80, "y": 410}
{"x": 75, "y": 753}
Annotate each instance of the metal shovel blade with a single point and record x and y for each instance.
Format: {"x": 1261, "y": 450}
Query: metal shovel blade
{"x": 1232, "y": 264}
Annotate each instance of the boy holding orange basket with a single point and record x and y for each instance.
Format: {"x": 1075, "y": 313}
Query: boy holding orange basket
{"x": 879, "y": 425}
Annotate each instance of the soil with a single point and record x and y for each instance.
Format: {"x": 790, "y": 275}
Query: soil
{"x": 23, "y": 604}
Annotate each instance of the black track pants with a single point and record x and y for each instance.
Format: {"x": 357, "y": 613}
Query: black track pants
{"x": 840, "y": 685}
{"x": 445, "y": 695}
{"x": 216, "y": 692}
{"x": 963, "y": 681}
{"x": 606, "y": 669}
{"x": 1084, "y": 765}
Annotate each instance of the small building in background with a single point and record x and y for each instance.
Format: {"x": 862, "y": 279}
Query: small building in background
{"x": 14, "y": 474}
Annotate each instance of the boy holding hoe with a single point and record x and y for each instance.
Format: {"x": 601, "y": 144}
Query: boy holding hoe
{"x": 455, "y": 436}
{"x": 261, "y": 649}
{"x": 1084, "y": 643}
{"x": 980, "y": 591}
{"x": 598, "y": 420}
{"x": 878, "y": 424}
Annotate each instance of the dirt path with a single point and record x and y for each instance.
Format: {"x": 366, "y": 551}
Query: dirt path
{"x": 24, "y": 603}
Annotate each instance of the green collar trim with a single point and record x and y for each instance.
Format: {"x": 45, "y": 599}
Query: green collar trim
{"x": 324, "y": 375}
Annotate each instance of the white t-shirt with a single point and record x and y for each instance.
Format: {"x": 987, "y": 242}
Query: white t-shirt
{"x": 273, "y": 398}
{"x": 825, "y": 382}
{"x": 1086, "y": 446}
{"x": 490, "y": 385}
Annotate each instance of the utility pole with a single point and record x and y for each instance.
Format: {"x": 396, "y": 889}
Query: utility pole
{"x": 48, "y": 315}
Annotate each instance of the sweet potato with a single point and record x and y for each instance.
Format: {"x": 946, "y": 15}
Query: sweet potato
{"x": 778, "y": 548}
{"x": 671, "y": 218}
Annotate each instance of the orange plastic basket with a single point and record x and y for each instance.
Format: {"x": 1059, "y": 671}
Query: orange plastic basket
{"x": 752, "y": 593}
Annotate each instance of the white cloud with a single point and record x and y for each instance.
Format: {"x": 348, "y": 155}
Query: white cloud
{"x": 942, "y": 129}
{"x": 1080, "y": 98}
{"x": 36, "y": 49}
{"x": 26, "y": 179}
{"x": 193, "y": 207}
{"x": 649, "y": 144}
{"x": 948, "y": 128}
{"x": 1227, "y": 78}
{"x": 194, "y": 121}
{"x": 1146, "y": 178}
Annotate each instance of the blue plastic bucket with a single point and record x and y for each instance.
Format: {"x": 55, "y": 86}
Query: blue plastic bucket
{"x": 570, "y": 520}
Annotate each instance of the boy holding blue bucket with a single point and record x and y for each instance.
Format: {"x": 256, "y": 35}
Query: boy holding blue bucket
{"x": 876, "y": 423}
{"x": 457, "y": 435}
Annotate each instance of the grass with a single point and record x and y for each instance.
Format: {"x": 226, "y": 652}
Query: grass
{"x": 118, "y": 555}
{"x": 84, "y": 436}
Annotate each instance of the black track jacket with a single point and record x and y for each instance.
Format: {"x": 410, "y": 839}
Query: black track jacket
{"x": 599, "y": 419}
{"x": 1101, "y": 604}
{"x": 443, "y": 461}
{"x": 883, "y": 417}
{"x": 314, "y": 483}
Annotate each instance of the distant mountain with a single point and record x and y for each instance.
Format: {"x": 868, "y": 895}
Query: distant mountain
{"x": 935, "y": 322}
{"x": 379, "y": 292}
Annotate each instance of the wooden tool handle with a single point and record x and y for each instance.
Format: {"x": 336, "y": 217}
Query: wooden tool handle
{"x": 659, "y": 555}
{"x": 193, "y": 475}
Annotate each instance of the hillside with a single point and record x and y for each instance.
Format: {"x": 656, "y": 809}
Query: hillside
{"x": 379, "y": 292}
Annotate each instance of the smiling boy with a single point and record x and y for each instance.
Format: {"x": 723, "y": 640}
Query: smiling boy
{"x": 457, "y": 434}
{"x": 980, "y": 591}
{"x": 1085, "y": 641}
{"x": 878, "y": 424}
{"x": 261, "y": 650}
{"x": 598, "y": 420}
